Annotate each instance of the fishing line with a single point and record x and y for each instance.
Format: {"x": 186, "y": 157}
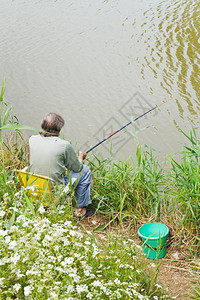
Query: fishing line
{"x": 108, "y": 137}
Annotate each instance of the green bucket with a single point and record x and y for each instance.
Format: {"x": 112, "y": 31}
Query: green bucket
{"x": 154, "y": 238}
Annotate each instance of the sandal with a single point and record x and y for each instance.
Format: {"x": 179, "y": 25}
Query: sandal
{"x": 89, "y": 213}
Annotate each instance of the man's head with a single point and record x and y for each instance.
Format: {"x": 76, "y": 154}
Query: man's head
{"x": 52, "y": 124}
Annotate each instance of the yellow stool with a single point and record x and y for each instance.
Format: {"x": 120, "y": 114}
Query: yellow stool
{"x": 37, "y": 185}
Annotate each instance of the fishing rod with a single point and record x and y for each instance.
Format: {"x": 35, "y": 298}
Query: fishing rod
{"x": 105, "y": 139}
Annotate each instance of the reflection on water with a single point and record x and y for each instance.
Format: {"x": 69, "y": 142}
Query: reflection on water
{"x": 173, "y": 50}
{"x": 85, "y": 59}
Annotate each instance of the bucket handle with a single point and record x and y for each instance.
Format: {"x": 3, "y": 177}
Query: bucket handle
{"x": 167, "y": 245}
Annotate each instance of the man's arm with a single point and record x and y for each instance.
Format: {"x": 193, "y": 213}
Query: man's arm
{"x": 72, "y": 162}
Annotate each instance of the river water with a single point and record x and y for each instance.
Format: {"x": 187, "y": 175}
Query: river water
{"x": 101, "y": 63}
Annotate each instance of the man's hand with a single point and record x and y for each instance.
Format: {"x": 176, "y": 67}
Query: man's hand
{"x": 82, "y": 155}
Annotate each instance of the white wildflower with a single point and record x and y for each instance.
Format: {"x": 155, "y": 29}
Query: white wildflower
{"x": 31, "y": 187}
{"x": 14, "y": 208}
{"x": 118, "y": 295}
{"x": 67, "y": 261}
{"x": 46, "y": 240}
{"x": 66, "y": 242}
{"x": 12, "y": 245}
{"x": 14, "y": 259}
{"x": 27, "y": 290}
{"x": 96, "y": 283}
{"x": 1, "y": 281}
{"x": 72, "y": 232}
{"x": 6, "y": 197}
{"x": 17, "y": 286}
{"x": 59, "y": 258}
{"x": 52, "y": 259}
{"x": 13, "y": 229}
{"x": 2, "y": 262}
{"x": 25, "y": 224}
{"x": 87, "y": 243}
{"x": 59, "y": 269}
{"x": 19, "y": 274}
{"x": 25, "y": 259}
{"x": 62, "y": 207}
{"x": 48, "y": 237}
{"x": 3, "y": 232}
{"x": 76, "y": 233}
{"x": 89, "y": 295}
{"x": 70, "y": 289}
{"x": 87, "y": 273}
{"x": 54, "y": 295}
{"x": 82, "y": 288}
{"x": 50, "y": 266}
{"x": 95, "y": 250}
{"x": 117, "y": 281}
{"x": 2, "y": 213}
{"x": 21, "y": 218}
{"x": 77, "y": 255}
{"x": 17, "y": 194}
{"x": 84, "y": 263}
{"x": 153, "y": 265}
{"x": 7, "y": 239}
{"x": 9, "y": 181}
{"x": 41, "y": 209}
{"x": 76, "y": 278}
{"x": 38, "y": 236}
{"x": 47, "y": 222}
{"x": 32, "y": 272}
{"x": 68, "y": 223}
{"x": 56, "y": 248}
{"x": 88, "y": 232}
{"x": 87, "y": 270}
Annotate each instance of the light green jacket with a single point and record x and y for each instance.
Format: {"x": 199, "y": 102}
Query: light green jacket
{"x": 51, "y": 156}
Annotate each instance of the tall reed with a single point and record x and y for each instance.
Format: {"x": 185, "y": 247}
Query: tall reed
{"x": 147, "y": 189}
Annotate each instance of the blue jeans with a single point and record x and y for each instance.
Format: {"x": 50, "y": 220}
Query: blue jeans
{"x": 82, "y": 186}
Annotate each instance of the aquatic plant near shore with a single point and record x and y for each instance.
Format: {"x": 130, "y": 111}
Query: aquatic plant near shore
{"x": 145, "y": 189}
{"x": 14, "y": 150}
{"x": 185, "y": 189}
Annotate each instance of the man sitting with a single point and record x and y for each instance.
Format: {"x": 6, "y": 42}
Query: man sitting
{"x": 51, "y": 156}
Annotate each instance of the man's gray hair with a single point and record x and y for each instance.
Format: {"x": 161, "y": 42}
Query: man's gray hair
{"x": 52, "y": 124}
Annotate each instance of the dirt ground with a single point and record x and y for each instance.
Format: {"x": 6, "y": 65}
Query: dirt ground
{"x": 175, "y": 272}
{"x": 177, "y": 280}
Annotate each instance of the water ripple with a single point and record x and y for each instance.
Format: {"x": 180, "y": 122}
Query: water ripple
{"x": 173, "y": 50}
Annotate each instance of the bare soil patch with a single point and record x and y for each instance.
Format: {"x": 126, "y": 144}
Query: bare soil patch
{"x": 176, "y": 279}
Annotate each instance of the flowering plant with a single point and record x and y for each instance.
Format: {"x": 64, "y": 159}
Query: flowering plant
{"x": 41, "y": 259}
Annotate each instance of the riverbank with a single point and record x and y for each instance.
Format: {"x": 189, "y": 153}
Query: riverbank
{"x": 46, "y": 254}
